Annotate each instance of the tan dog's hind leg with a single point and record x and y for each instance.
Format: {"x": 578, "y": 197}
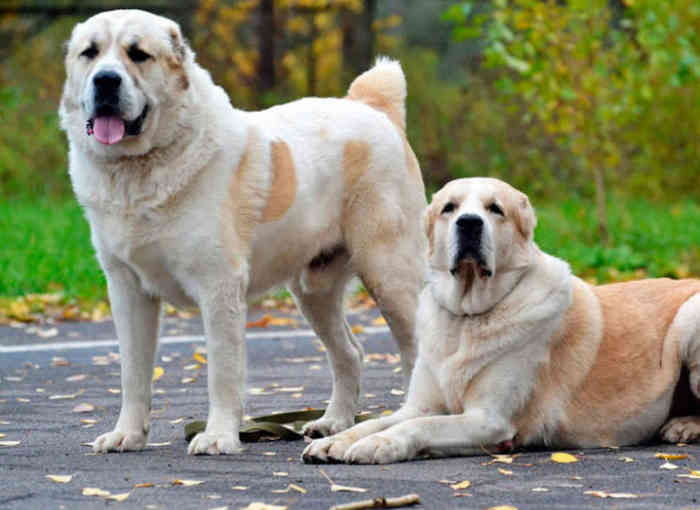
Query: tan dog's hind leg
{"x": 323, "y": 308}
{"x": 686, "y": 429}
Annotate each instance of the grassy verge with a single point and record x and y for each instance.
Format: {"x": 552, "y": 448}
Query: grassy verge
{"x": 46, "y": 245}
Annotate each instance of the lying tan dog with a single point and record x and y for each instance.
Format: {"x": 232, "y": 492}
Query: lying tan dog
{"x": 515, "y": 351}
{"x": 196, "y": 202}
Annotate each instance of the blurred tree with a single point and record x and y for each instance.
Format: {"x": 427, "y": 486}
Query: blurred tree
{"x": 584, "y": 82}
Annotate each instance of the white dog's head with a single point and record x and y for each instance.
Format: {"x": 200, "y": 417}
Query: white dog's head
{"x": 480, "y": 233}
{"x": 126, "y": 78}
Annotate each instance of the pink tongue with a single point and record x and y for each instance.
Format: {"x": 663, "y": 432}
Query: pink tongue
{"x": 108, "y": 130}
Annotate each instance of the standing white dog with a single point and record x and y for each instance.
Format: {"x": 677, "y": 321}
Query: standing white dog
{"x": 193, "y": 201}
{"x": 513, "y": 350}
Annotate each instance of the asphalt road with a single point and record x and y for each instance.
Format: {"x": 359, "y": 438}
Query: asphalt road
{"x": 51, "y": 435}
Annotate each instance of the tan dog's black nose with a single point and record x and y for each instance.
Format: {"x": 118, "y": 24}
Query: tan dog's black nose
{"x": 470, "y": 223}
{"x": 107, "y": 82}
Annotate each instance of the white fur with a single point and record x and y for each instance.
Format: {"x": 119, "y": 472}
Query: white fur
{"x": 156, "y": 208}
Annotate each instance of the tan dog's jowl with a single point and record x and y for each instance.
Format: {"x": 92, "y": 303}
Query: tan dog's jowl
{"x": 513, "y": 350}
{"x": 196, "y": 202}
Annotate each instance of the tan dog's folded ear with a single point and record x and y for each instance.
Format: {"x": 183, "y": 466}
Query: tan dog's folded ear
{"x": 177, "y": 42}
{"x": 429, "y": 216}
{"x": 524, "y": 216}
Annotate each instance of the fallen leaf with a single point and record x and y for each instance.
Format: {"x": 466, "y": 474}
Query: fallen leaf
{"x": 502, "y": 507}
{"x": 282, "y": 321}
{"x": 270, "y": 454}
{"x": 157, "y": 373}
{"x": 671, "y": 456}
{"x": 397, "y": 392}
{"x": 357, "y": 329}
{"x": 114, "y": 391}
{"x": 22, "y": 399}
{"x": 200, "y": 358}
{"x": 239, "y": 488}
{"x": 166, "y": 443}
{"x": 57, "y": 361}
{"x": 9, "y": 443}
{"x": 461, "y": 485}
{"x": 290, "y": 487}
{"x": 695, "y": 475}
{"x": 118, "y": 497}
{"x": 88, "y": 421}
{"x": 177, "y": 420}
{"x": 60, "y": 478}
{"x": 143, "y": 485}
{"x": 563, "y": 458}
{"x": 616, "y": 495}
{"x": 291, "y": 389}
{"x": 379, "y": 321}
{"x": 626, "y": 459}
{"x": 263, "y": 506}
{"x": 344, "y": 488}
{"x": 70, "y": 396}
{"x": 280, "y": 473}
{"x": 668, "y": 465}
{"x": 187, "y": 380}
{"x": 47, "y": 333}
{"x": 94, "y": 491}
{"x": 192, "y": 366}
{"x": 540, "y": 489}
{"x": 84, "y": 408}
{"x": 506, "y": 472}
{"x": 262, "y": 322}
{"x": 187, "y": 483}
{"x": 77, "y": 377}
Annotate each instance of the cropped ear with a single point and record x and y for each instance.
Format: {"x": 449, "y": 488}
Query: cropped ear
{"x": 524, "y": 217}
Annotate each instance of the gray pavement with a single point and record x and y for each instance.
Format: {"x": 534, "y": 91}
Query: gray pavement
{"x": 51, "y": 434}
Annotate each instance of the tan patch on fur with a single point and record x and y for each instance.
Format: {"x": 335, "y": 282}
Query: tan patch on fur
{"x": 355, "y": 161}
{"x": 635, "y": 361}
{"x": 241, "y": 210}
{"x": 411, "y": 160}
{"x": 283, "y": 188}
{"x": 369, "y": 95}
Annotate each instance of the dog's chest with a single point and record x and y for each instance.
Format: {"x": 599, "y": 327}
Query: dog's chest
{"x": 147, "y": 244}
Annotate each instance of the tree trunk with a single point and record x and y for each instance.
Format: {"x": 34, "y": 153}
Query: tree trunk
{"x": 599, "y": 178}
{"x": 266, "y": 31}
{"x": 358, "y": 39}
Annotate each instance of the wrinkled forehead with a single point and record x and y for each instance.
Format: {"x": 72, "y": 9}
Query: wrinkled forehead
{"x": 121, "y": 27}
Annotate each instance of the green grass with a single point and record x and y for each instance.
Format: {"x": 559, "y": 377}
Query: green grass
{"x": 45, "y": 246}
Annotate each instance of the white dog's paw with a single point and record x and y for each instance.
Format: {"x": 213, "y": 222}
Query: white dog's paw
{"x": 327, "y": 426}
{"x": 214, "y": 444}
{"x": 684, "y": 429}
{"x": 120, "y": 441}
{"x": 328, "y": 449}
{"x": 377, "y": 449}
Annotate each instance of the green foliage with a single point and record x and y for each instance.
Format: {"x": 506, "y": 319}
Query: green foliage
{"x": 46, "y": 247}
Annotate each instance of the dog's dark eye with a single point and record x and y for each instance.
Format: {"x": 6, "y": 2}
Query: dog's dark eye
{"x": 90, "y": 52}
{"x": 449, "y": 207}
{"x": 137, "y": 55}
{"x": 495, "y": 209}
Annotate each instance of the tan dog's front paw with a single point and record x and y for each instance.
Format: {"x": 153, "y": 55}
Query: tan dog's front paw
{"x": 327, "y": 426}
{"x": 328, "y": 449}
{"x": 119, "y": 441}
{"x": 684, "y": 429}
{"x": 214, "y": 444}
{"x": 378, "y": 449}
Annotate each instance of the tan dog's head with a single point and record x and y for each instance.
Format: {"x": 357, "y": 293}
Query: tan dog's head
{"x": 478, "y": 230}
{"x": 125, "y": 80}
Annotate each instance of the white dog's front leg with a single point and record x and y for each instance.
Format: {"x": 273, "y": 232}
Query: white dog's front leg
{"x": 461, "y": 434}
{"x": 224, "y": 314}
{"x": 136, "y": 320}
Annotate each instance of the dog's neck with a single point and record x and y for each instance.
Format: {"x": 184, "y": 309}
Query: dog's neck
{"x": 479, "y": 296}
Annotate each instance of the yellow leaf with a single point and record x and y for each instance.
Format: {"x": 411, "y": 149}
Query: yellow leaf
{"x": 60, "y": 478}
{"x": 118, "y": 497}
{"x": 187, "y": 483}
{"x": 563, "y": 458}
{"x": 157, "y": 373}
{"x": 506, "y": 472}
{"x": 379, "y": 321}
{"x": 344, "y": 488}
{"x": 282, "y": 321}
{"x": 262, "y": 322}
{"x": 263, "y": 506}
{"x": 200, "y": 358}
{"x": 357, "y": 329}
{"x": 671, "y": 456}
{"x": 94, "y": 491}
{"x": 84, "y": 408}
{"x": 143, "y": 485}
{"x": 461, "y": 485}
{"x": 502, "y": 507}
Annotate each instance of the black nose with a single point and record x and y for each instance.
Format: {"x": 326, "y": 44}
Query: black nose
{"x": 470, "y": 223}
{"x": 107, "y": 82}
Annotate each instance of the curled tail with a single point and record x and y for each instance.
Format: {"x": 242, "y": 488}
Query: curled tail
{"x": 384, "y": 88}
